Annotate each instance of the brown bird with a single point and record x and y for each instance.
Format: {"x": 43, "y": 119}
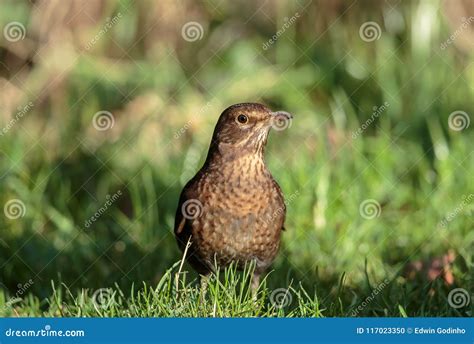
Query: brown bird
{"x": 233, "y": 210}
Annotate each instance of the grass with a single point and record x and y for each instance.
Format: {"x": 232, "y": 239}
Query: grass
{"x": 165, "y": 97}
{"x": 228, "y": 294}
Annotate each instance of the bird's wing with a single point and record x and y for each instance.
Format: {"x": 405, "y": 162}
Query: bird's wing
{"x": 181, "y": 222}
{"x": 282, "y": 199}
{"x": 180, "y": 226}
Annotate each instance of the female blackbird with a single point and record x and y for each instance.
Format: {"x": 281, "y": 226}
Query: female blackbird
{"x": 233, "y": 210}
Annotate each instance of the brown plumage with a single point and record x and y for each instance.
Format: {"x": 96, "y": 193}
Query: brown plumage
{"x": 233, "y": 210}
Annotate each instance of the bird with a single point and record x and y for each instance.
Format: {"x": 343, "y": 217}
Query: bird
{"x": 233, "y": 211}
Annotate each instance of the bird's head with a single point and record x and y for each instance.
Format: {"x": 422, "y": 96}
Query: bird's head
{"x": 245, "y": 127}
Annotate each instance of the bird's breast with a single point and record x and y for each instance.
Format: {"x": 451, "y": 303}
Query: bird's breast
{"x": 239, "y": 188}
{"x": 242, "y": 213}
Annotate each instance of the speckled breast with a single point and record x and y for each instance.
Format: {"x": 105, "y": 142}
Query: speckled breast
{"x": 241, "y": 220}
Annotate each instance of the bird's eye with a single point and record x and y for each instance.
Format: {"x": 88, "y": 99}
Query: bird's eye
{"x": 242, "y": 119}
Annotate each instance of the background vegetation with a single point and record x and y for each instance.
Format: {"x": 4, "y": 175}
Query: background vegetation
{"x": 371, "y": 123}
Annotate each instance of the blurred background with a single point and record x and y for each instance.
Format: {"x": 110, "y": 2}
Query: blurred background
{"x": 107, "y": 109}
